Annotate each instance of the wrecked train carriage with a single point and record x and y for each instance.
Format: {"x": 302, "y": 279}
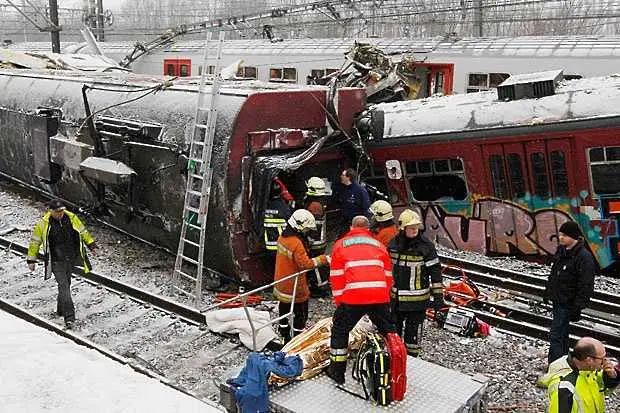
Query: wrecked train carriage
{"x": 41, "y": 113}
{"x": 496, "y": 174}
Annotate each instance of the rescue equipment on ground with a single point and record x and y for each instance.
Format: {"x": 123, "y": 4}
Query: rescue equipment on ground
{"x": 460, "y": 321}
{"x": 372, "y": 369}
{"x": 250, "y": 300}
{"x": 398, "y": 365}
{"x": 312, "y": 345}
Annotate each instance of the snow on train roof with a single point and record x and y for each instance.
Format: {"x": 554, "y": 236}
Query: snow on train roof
{"x": 234, "y": 87}
{"x": 553, "y": 46}
{"x": 574, "y": 100}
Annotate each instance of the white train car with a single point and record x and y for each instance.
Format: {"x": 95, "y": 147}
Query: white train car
{"x": 478, "y": 63}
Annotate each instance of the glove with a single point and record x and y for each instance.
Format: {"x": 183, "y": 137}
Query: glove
{"x": 31, "y": 266}
{"x": 438, "y": 302}
{"x": 574, "y": 314}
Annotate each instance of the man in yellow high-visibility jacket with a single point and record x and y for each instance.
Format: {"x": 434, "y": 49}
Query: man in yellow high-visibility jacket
{"x": 63, "y": 236}
{"x": 578, "y": 382}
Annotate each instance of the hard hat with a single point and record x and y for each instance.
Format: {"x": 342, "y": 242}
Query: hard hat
{"x": 382, "y": 210}
{"x": 316, "y": 187}
{"x": 302, "y": 220}
{"x": 408, "y": 217}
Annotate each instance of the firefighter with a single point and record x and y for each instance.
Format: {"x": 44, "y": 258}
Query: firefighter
{"x": 383, "y": 225}
{"x": 415, "y": 261}
{"x": 361, "y": 279}
{"x": 315, "y": 203}
{"x": 293, "y": 255}
{"x": 278, "y": 210}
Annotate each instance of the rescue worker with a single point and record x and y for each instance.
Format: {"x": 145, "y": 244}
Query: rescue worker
{"x": 315, "y": 203}
{"x": 352, "y": 199}
{"x": 579, "y": 381}
{"x": 293, "y": 255}
{"x": 382, "y": 223}
{"x": 361, "y": 278}
{"x": 417, "y": 276}
{"x": 63, "y": 236}
{"x": 278, "y": 211}
{"x": 569, "y": 287}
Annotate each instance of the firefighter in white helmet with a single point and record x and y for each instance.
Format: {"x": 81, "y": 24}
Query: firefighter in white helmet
{"x": 382, "y": 222}
{"x": 417, "y": 276}
{"x": 292, "y": 256}
{"x": 315, "y": 200}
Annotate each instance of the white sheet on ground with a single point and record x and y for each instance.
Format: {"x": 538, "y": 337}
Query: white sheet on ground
{"x": 234, "y": 321}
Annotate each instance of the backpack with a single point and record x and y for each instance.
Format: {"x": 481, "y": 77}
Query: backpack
{"x": 372, "y": 369}
{"x": 398, "y": 365}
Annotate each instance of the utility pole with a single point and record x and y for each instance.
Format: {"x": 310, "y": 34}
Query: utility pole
{"x": 100, "y": 20}
{"x": 477, "y": 18}
{"x": 54, "y": 29}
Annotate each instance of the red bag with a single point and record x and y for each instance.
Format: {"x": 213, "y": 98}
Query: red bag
{"x": 398, "y": 365}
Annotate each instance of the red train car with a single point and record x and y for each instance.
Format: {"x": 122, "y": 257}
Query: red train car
{"x": 500, "y": 177}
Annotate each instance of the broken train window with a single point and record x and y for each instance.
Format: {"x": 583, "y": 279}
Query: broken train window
{"x": 437, "y": 180}
{"x": 605, "y": 169}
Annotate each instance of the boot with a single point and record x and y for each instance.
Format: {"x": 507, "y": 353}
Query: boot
{"x": 336, "y": 371}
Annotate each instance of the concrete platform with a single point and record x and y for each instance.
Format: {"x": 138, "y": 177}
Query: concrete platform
{"x": 44, "y": 372}
{"x": 430, "y": 389}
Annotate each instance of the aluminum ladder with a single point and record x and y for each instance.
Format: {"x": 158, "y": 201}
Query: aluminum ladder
{"x": 189, "y": 265}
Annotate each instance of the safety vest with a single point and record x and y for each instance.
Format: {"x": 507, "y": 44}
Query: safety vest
{"x": 273, "y": 224}
{"x": 360, "y": 271}
{"x": 40, "y": 235}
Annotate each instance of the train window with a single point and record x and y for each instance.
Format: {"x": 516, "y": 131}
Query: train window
{"x": 442, "y": 165}
{"x": 497, "y": 78}
{"x": 539, "y": 172}
{"x": 515, "y": 173}
{"x": 317, "y": 73}
{"x": 290, "y": 73}
{"x": 330, "y": 71}
{"x": 558, "y": 172}
{"x": 479, "y": 80}
{"x": 439, "y": 81}
{"x": 184, "y": 71}
{"x": 275, "y": 74}
{"x": 437, "y": 180}
{"x": 170, "y": 69}
{"x": 605, "y": 169}
{"x": 498, "y": 176}
{"x": 247, "y": 72}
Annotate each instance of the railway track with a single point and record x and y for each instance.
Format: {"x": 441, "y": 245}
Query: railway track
{"x": 146, "y": 330}
{"x": 516, "y": 315}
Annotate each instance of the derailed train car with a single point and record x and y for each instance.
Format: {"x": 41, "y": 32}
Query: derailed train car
{"x": 499, "y": 172}
{"x": 130, "y": 164}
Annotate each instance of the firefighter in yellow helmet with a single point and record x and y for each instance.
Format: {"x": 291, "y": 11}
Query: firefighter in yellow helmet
{"x": 382, "y": 222}
{"x": 315, "y": 200}
{"x": 293, "y": 255}
{"x": 417, "y": 276}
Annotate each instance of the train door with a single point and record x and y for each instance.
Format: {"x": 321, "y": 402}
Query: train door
{"x": 178, "y": 67}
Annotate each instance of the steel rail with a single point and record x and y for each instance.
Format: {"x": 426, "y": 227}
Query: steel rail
{"x": 521, "y": 282}
{"x": 186, "y": 313}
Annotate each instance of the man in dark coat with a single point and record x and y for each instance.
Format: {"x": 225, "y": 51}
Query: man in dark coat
{"x": 352, "y": 199}
{"x": 569, "y": 287}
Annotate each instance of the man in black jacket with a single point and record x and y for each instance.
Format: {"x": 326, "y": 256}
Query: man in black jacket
{"x": 417, "y": 277}
{"x": 569, "y": 287}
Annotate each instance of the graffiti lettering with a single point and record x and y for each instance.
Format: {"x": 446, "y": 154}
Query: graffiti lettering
{"x": 495, "y": 226}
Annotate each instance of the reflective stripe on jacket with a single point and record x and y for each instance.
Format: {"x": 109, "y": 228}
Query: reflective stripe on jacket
{"x": 416, "y": 270}
{"x": 292, "y": 256}
{"x": 360, "y": 271}
{"x": 40, "y": 235}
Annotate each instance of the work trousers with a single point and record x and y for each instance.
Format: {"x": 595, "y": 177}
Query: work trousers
{"x": 62, "y": 272}
{"x": 345, "y": 318}
{"x": 410, "y": 326}
{"x": 558, "y": 333}
{"x": 300, "y": 317}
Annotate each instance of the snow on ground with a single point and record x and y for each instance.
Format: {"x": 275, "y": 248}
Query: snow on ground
{"x": 44, "y": 372}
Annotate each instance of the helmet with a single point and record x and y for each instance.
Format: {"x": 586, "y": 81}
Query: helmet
{"x": 408, "y": 217}
{"x": 302, "y": 220}
{"x": 316, "y": 187}
{"x": 382, "y": 210}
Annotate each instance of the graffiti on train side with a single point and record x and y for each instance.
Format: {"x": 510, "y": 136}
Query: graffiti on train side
{"x": 495, "y": 226}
